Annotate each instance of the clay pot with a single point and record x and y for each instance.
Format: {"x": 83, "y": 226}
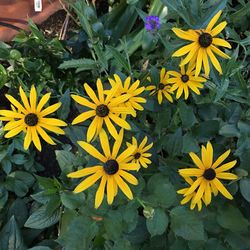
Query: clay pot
{"x": 17, "y": 12}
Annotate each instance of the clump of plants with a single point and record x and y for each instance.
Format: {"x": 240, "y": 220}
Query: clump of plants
{"x": 131, "y": 134}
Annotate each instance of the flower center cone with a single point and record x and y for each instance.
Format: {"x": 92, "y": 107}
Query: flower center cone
{"x": 17, "y": 12}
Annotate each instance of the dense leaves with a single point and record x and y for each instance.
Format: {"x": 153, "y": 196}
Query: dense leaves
{"x": 39, "y": 211}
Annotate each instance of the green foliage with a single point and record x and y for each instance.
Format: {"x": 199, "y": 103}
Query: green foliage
{"x": 39, "y": 211}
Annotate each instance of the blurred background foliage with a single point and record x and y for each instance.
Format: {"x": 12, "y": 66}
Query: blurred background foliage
{"x": 37, "y": 207}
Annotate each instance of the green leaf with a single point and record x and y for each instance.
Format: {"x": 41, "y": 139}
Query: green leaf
{"x": 3, "y": 76}
{"x": 173, "y": 143}
{"x": 158, "y": 224}
{"x": 72, "y": 200}
{"x": 10, "y": 236}
{"x": 3, "y": 197}
{"x": 40, "y": 219}
{"x": 65, "y": 160}
{"x": 186, "y": 224}
{"x": 64, "y": 110}
{"x": 245, "y": 188}
{"x": 79, "y": 234}
{"x": 206, "y": 130}
{"x": 119, "y": 58}
{"x": 229, "y": 130}
{"x": 187, "y": 115}
{"x": 238, "y": 240}
{"x": 113, "y": 224}
{"x": 82, "y": 64}
{"x": 231, "y": 218}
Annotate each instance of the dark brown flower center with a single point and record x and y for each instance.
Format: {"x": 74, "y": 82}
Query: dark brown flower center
{"x": 137, "y": 156}
{"x": 184, "y": 78}
{"x": 209, "y": 174}
{"x": 161, "y": 86}
{"x": 102, "y": 110}
{"x": 205, "y": 40}
{"x": 31, "y": 119}
{"x": 111, "y": 167}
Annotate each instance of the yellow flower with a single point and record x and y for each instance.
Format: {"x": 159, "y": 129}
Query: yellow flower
{"x": 140, "y": 155}
{"x": 191, "y": 196}
{"x": 112, "y": 169}
{"x": 203, "y": 45}
{"x": 163, "y": 89}
{"x": 30, "y": 118}
{"x": 184, "y": 80}
{"x": 208, "y": 175}
{"x": 132, "y": 89}
{"x": 103, "y": 109}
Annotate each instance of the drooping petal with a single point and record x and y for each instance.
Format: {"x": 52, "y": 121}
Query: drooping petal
{"x": 110, "y": 189}
{"x": 100, "y": 191}
{"x": 123, "y": 186}
{"x": 222, "y": 189}
{"x": 117, "y": 144}
{"x": 27, "y": 138}
{"x": 92, "y": 129}
{"x": 219, "y": 52}
{"x": 119, "y": 121}
{"x": 214, "y": 60}
{"x": 111, "y": 128}
{"x": 35, "y": 138}
{"x": 15, "y": 131}
{"x": 105, "y": 143}
{"x": 128, "y": 177}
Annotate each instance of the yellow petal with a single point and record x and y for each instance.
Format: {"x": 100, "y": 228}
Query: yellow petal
{"x": 214, "y": 60}
{"x": 128, "y": 177}
{"x": 53, "y": 129}
{"x": 227, "y": 176}
{"x": 88, "y": 182}
{"x": 92, "y": 151}
{"x": 52, "y": 121}
{"x": 91, "y": 94}
{"x": 126, "y": 153}
{"x": 11, "y": 114}
{"x": 13, "y": 124}
{"x": 226, "y": 166}
{"x": 45, "y": 136}
{"x": 33, "y": 98}
{"x": 123, "y": 186}
{"x": 27, "y": 139}
{"x": 16, "y": 104}
{"x": 92, "y": 129}
{"x": 111, "y": 127}
{"x": 117, "y": 144}
{"x": 100, "y": 191}
{"x": 84, "y": 116}
{"x": 184, "y": 34}
{"x": 191, "y": 172}
{"x": 217, "y": 29}
{"x": 194, "y": 186}
{"x": 221, "y": 159}
{"x": 200, "y": 192}
{"x": 100, "y": 90}
{"x": 222, "y": 189}
{"x": 199, "y": 62}
{"x": 213, "y": 21}
{"x": 24, "y": 99}
{"x": 35, "y": 138}
{"x": 219, "y": 52}
{"x": 14, "y": 131}
{"x": 105, "y": 143}
{"x": 196, "y": 160}
{"x": 206, "y": 63}
{"x": 84, "y": 102}
{"x": 119, "y": 121}
{"x": 50, "y": 109}
{"x": 183, "y": 50}
{"x": 42, "y": 102}
{"x": 84, "y": 172}
{"x": 110, "y": 190}
{"x": 221, "y": 42}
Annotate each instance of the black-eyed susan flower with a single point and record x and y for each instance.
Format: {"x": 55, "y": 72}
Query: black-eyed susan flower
{"x": 113, "y": 169}
{"x": 191, "y": 196}
{"x": 208, "y": 175}
{"x": 141, "y": 154}
{"x": 31, "y": 118}
{"x": 133, "y": 90}
{"x": 163, "y": 88}
{"x": 184, "y": 80}
{"x": 104, "y": 109}
{"x": 203, "y": 45}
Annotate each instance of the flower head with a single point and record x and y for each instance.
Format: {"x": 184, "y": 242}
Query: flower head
{"x": 140, "y": 154}
{"x": 208, "y": 175}
{"x": 163, "y": 89}
{"x": 112, "y": 169}
{"x": 103, "y": 109}
{"x": 184, "y": 80}
{"x": 31, "y": 119}
{"x": 133, "y": 90}
{"x": 152, "y": 23}
{"x": 203, "y": 45}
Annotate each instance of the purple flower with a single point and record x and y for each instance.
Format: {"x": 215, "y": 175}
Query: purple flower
{"x": 152, "y": 23}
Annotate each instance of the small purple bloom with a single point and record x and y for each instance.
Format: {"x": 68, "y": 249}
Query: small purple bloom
{"x": 152, "y": 23}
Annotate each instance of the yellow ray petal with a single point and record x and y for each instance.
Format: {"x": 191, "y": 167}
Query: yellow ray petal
{"x": 200, "y": 192}
{"x": 159, "y": 96}
{"x": 110, "y": 189}
{"x": 27, "y": 138}
{"x": 214, "y": 60}
{"x": 92, "y": 129}
{"x": 207, "y": 196}
{"x": 50, "y": 109}
{"x": 213, "y": 21}
{"x": 196, "y": 160}
{"x": 11, "y": 114}
{"x": 125, "y": 154}
{"x": 186, "y": 92}
{"x": 13, "y": 124}
{"x": 185, "y": 35}
{"x": 129, "y": 166}
{"x": 100, "y": 90}
{"x": 119, "y": 121}
{"x": 117, "y": 144}
{"x": 221, "y": 159}
{"x": 84, "y": 116}
{"x": 123, "y": 186}
{"x": 53, "y": 129}
{"x": 219, "y": 52}
{"x": 105, "y": 143}
{"x": 192, "y": 55}
{"x": 183, "y": 50}
{"x": 24, "y": 99}
{"x": 206, "y": 63}
{"x": 221, "y": 42}
{"x": 111, "y": 127}
{"x": 84, "y": 172}
{"x": 33, "y": 98}
{"x": 191, "y": 172}
{"x": 15, "y": 131}
{"x": 128, "y": 177}
{"x": 92, "y": 151}
{"x": 42, "y": 102}
{"x": 52, "y": 122}
{"x": 225, "y": 166}
{"x": 88, "y": 182}
{"x": 227, "y": 176}
{"x": 217, "y": 29}
{"x": 35, "y": 138}
{"x": 111, "y": 93}
{"x": 179, "y": 92}
{"x": 91, "y": 94}
{"x": 84, "y": 102}
{"x": 222, "y": 189}
{"x": 44, "y": 135}
{"x": 100, "y": 191}
{"x": 194, "y": 186}
{"x": 199, "y": 62}
{"x": 16, "y": 103}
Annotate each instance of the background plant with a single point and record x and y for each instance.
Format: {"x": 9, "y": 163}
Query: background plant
{"x": 37, "y": 206}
